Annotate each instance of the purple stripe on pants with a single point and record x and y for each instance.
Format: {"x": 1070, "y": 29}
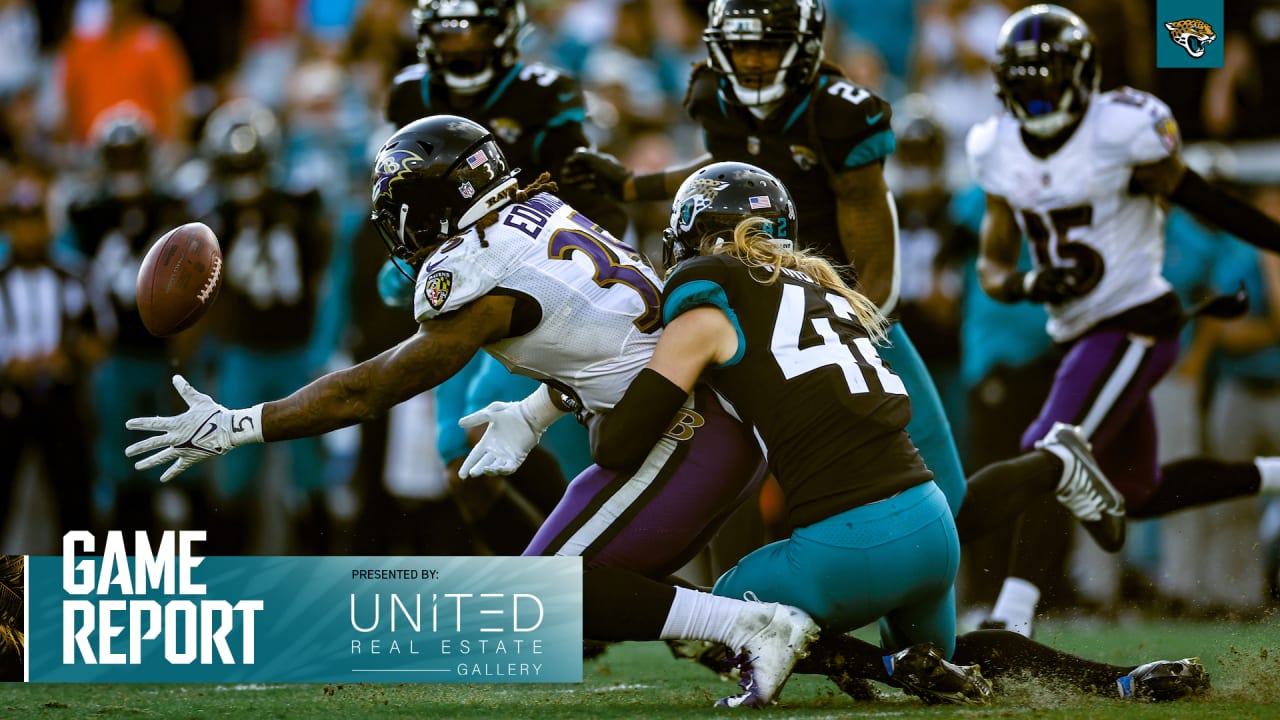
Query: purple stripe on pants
{"x": 1104, "y": 384}
{"x": 673, "y": 516}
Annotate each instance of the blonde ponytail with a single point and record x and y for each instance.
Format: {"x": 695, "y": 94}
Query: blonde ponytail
{"x": 753, "y": 245}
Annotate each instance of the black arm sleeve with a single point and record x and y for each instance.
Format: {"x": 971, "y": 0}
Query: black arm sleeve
{"x": 1230, "y": 212}
{"x": 626, "y": 435}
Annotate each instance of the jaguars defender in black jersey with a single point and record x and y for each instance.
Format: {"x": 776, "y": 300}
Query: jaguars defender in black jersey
{"x": 793, "y": 351}
{"x": 781, "y": 338}
{"x": 113, "y": 226}
{"x": 471, "y": 67}
{"x": 764, "y": 96}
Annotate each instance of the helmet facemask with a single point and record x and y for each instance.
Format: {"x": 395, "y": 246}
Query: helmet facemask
{"x": 467, "y": 41}
{"x": 743, "y": 40}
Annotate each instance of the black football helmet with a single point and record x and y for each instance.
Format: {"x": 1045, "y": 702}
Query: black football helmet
{"x": 123, "y": 141}
{"x": 918, "y": 162}
{"x": 467, "y": 42}
{"x": 794, "y": 27}
{"x": 240, "y": 140}
{"x": 714, "y": 200}
{"x": 1046, "y": 68}
{"x": 435, "y": 178}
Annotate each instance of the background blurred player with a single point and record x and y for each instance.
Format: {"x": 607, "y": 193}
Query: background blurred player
{"x": 114, "y": 226}
{"x": 274, "y": 247}
{"x": 1082, "y": 174}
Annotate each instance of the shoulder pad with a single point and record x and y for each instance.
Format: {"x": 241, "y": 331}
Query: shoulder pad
{"x": 465, "y": 269}
{"x": 853, "y": 122}
{"x": 699, "y": 281}
{"x": 410, "y": 73}
{"x": 1136, "y": 125}
{"x": 703, "y": 97}
{"x": 979, "y": 145}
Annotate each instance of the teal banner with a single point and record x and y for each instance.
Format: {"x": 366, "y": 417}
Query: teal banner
{"x": 171, "y": 618}
{"x": 1189, "y": 34}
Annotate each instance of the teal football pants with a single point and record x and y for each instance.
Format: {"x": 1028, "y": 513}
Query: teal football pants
{"x": 895, "y": 559}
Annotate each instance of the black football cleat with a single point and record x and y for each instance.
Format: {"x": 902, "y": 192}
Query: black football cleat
{"x": 1164, "y": 680}
{"x": 920, "y": 670}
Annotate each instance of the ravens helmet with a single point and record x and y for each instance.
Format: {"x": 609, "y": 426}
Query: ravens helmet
{"x": 791, "y": 29}
{"x": 435, "y": 178}
{"x": 1046, "y": 68}
{"x": 714, "y": 200}
{"x": 468, "y": 41}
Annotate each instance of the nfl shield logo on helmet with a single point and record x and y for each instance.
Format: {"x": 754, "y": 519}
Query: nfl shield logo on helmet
{"x": 478, "y": 159}
{"x": 437, "y": 288}
{"x": 759, "y": 201}
{"x": 467, "y": 190}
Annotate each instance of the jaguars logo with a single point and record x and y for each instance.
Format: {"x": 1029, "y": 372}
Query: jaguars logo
{"x": 506, "y": 129}
{"x": 805, "y": 157}
{"x": 700, "y": 195}
{"x": 392, "y": 164}
{"x": 1193, "y": 35}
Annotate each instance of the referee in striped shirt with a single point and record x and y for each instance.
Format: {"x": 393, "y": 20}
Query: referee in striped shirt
{"x": 51, "y": 332}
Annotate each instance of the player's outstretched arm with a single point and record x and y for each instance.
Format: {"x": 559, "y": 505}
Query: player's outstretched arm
{"x": 691, "y": 342}
{"x": 435, "y": 353}
{"x": 1171, "y": 178}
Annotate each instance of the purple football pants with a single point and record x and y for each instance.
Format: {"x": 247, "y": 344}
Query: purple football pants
{"x": 1104, "y": 385}
{"x": 655, "y": 518}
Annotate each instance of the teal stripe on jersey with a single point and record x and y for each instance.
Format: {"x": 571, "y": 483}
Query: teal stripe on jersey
{"x": 502, "y": 86}
{"x": 697, "y": 293}
{"x": 876, "y": 147}
{"x": 803, "y": 104}
{"x": 572, "y": 115}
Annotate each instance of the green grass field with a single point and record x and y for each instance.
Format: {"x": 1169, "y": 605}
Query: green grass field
{"x": 640, "y": 680}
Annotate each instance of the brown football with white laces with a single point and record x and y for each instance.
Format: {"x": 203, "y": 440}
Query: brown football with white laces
{"x": 179, "y": 279}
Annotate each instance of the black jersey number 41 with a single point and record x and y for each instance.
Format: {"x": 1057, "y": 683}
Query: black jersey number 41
{"x": 794, "y": 360}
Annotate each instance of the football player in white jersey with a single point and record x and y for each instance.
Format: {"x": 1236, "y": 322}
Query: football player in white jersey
{"x": 525, "y": 277}
{"x": 1082, "y": 174}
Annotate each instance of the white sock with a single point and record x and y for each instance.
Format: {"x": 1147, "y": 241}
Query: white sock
{"x": 697, "y": 615}
{"x": 1269, "y": 469}
{"x": 1016, "y": 605}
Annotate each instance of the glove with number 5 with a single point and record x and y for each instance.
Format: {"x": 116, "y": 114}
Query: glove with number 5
{"x": 514, "y": 429}
{"x": 204, "y": 430}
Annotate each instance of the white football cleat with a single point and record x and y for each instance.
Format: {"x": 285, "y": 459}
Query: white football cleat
{"x": 766, "y": 659}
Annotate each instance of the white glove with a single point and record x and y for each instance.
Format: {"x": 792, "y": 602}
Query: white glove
{"x": 514, "y": 429}
{"x": 204, "y": 430}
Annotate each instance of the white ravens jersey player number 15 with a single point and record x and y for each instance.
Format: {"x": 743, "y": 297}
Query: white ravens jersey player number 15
{"x": 1075, "y": 206}
{"x": 599, "y": 301}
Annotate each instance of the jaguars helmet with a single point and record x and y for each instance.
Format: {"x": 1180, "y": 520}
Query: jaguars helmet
{"x": 919, "y": 161}
{"x": 123, "y": 142}
{"x": 435, "y": 178}
{"x": 467, "y": 42}
{"x": 712, "y": 202}
{"x": 240, "y": 136}
{"x": 795, "y": 27}
{"x": 1046, "y": 68}
{"x": 122, "y": 139}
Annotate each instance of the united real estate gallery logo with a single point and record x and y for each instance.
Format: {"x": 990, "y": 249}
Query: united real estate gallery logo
{"x": 164, "y": 613}
{"x": 1189, "y": 34}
